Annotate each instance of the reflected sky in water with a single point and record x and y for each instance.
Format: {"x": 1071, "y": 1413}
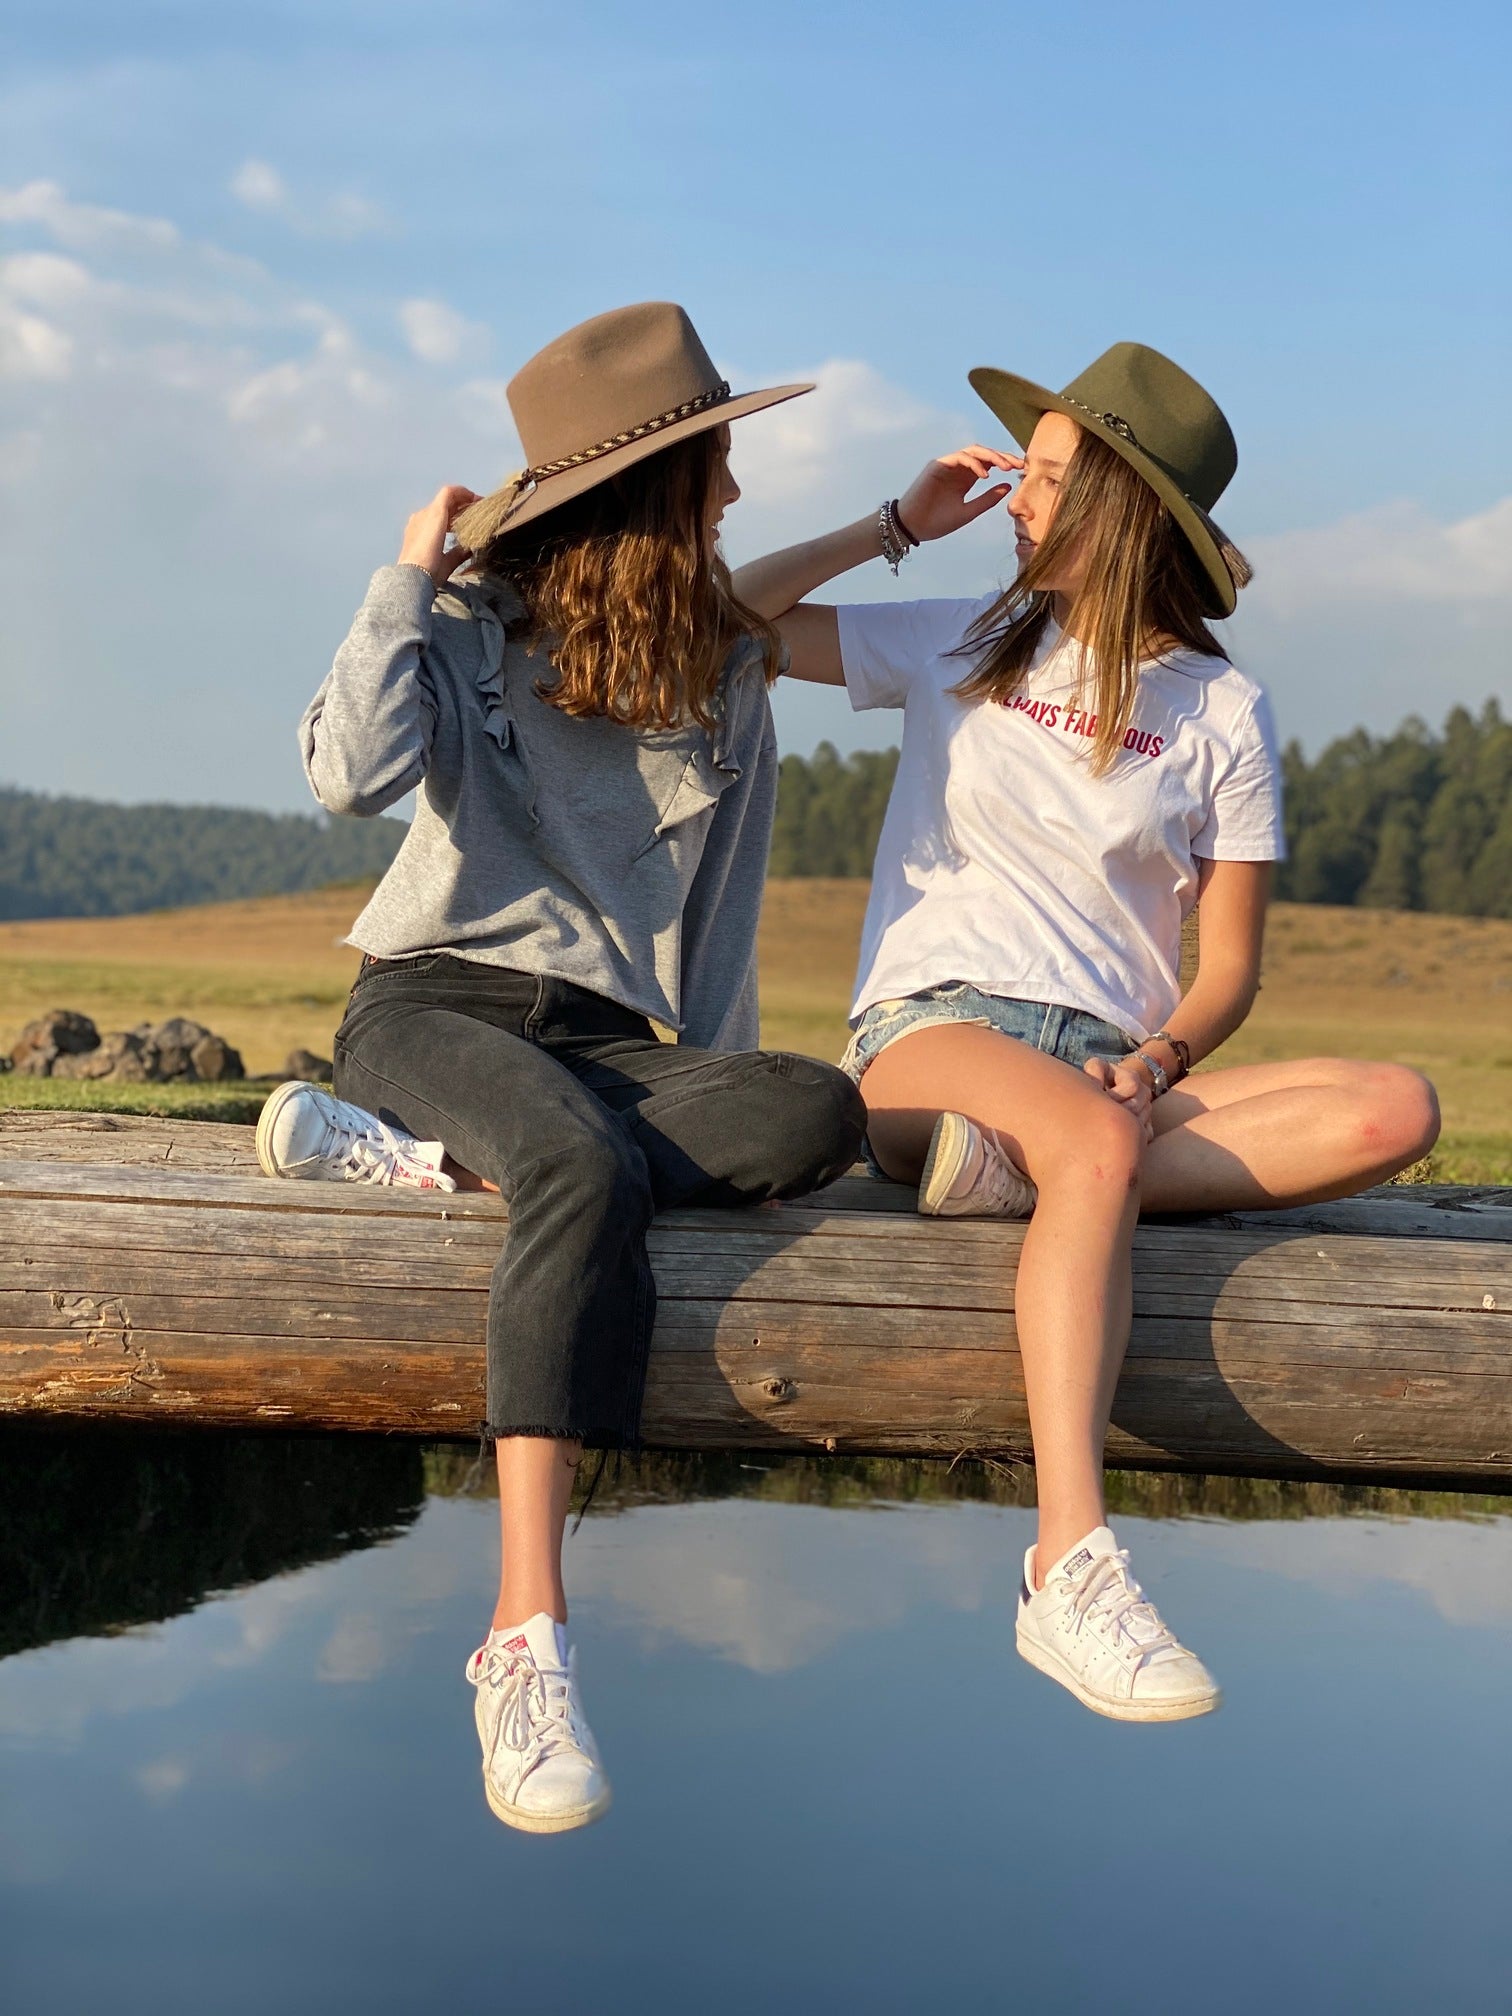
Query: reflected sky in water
{"x": 836, "y": 1785}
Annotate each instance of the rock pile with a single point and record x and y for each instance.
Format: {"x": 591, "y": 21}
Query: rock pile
{"x": 66, "y": 1045}
{"x": 305, "y": 1064}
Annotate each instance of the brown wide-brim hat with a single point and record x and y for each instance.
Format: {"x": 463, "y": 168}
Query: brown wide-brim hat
{"x": 1157, "y": 418}
{"x": 606, "y": 395}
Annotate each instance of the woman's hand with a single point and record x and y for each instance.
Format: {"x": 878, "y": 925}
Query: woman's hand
{"x": 935, "y": 502}
{"x": 1124, "y": 1081}
{"x": 424, "y": 542}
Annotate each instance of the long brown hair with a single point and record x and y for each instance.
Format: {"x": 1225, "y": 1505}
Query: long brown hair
{"x": 635, "y": 613}
{"x": 1145, "y": 594}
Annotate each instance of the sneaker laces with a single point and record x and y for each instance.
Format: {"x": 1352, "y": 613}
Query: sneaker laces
{"x": 1113, "y": 1601}
{"x": 1000, "y": 1176}
{"x": 379, "y": 1154}
{"x": 535, "y": 1713}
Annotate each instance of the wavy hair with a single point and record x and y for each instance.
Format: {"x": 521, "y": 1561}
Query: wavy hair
{"x": 622, "y": 592}
{"x": 1145, "y": 594}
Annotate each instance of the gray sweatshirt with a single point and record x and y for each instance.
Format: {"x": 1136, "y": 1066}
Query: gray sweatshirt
{"x": 630, "y": 861}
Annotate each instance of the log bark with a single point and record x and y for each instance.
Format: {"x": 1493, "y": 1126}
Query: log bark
{"x": 148, "y": 1272}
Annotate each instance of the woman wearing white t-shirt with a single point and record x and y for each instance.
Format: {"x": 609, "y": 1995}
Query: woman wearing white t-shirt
{"x": 1079, "y": 765}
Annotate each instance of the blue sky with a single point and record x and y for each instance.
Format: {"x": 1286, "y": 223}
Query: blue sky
{"x": 265, "y": 270}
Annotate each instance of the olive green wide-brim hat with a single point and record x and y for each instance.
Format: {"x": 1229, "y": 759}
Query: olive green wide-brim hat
{"x": 606, "y": 395}
{"x": 1158, "y": 419}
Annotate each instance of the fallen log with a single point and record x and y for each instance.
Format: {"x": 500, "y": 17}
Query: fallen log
{"x": 148, "y": 1272}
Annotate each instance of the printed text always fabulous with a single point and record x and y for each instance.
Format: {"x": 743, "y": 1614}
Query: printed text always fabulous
{"x": 1074, "y": 721}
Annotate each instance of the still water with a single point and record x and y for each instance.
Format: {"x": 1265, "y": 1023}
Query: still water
{"x": 240, "y": 1771}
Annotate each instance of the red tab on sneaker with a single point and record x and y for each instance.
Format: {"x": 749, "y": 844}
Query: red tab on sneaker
{"x": 540, "y": 1638}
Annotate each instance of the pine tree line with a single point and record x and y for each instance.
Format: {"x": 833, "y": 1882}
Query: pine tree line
{"x": 74, "y": 857}
{"x": 1410, "y": 821}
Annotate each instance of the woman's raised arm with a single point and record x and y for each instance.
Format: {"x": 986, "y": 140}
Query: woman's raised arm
{"x": 934, "y": 505}
{"x": 366, "y": 736}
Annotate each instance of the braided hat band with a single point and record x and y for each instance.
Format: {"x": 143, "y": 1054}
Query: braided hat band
{"x": 593, "y": 384}
{"x": 1157, "y": 418}
{"x": 683, "y": 412}
{"x": 485, "y": 520}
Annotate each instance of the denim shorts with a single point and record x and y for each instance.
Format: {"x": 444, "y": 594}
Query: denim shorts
{"x": 1068, "y": 1033}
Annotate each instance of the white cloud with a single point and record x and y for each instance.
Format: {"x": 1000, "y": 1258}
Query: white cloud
{"x": 772, "y": 1587}
{"x": 83, "y": 225}
{"x": 259, "y": 186}
{"x": 824, "y": 458}
{"x": 251, "y": 452}
{"x": 44, "y": 279}
{"x": 31, "y": 346}
{"x": 1394, "y": 553}
{"x": 162, "y": 1779}
{"x": 435, "y": 333}
{"x": 357, "y": 1650}
{"x": 853, "y": 416}
{"x": 1457, "y": 1567}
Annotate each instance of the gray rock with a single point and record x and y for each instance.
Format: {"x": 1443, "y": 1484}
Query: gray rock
{"x": 305, "y": 1064}
{"x": 60, "y": 1033}
{"x": 169, "y": 1047}
{"x": 212, "y": 1060}
{"x": 67, "y": 1045}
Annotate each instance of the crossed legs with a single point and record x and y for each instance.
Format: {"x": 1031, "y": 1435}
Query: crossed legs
{"x": 1251, "y": 1137}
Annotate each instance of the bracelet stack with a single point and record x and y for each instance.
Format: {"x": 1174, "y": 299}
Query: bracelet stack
{"x": 1164, "y": 1079}
{"x": 897, "y": 540}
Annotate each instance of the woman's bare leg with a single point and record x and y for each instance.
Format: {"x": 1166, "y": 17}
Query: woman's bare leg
{"x": 1072, "y": 1300}
{"x": 1266, "y": 1135}
{"x": 536, "y": 1473}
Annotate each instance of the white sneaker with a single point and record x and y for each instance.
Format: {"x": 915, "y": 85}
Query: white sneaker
{"x": 970, "y": 1174}
{"x": 541, "y": 1769}
{"x": 1093, "y": 1629}
{"x": 303, "y": 1131}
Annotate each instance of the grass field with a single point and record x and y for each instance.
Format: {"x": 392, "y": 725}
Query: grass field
{"x": 1435, "y": 992}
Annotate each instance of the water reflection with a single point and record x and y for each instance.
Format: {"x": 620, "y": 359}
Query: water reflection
{"x": 101, "y": 1531}
{"x": 835, "y": 1782}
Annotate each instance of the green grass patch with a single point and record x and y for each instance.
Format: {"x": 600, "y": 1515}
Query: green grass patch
{"x": 1472, "y": 1158}
{"x": 237, "y": 1101}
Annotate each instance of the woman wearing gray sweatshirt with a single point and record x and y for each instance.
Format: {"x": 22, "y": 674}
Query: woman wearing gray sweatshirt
{"x": 585, "y": 723}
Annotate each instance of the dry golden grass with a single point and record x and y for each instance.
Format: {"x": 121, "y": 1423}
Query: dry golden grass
{"x": 268, "y": 974}
{"x": 1435, "y": 992}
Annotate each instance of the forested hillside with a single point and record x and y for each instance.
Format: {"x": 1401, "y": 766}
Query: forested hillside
{"x": 73, "y": 857}
{"x": 1410, "y": 821}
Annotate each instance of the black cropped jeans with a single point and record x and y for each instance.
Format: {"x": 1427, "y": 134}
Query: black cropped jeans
{"x": 588, "y": 1125}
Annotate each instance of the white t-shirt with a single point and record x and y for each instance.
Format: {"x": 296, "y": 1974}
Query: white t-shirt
{"x": 1004, "y": 862}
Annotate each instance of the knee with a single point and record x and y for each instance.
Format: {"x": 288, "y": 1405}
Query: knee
{"x": 818, "y": 1122}
{"x": 1105, "y": 1147}
{"x": 1397, "y": 1112}
{"x": 597, "y": 1176}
